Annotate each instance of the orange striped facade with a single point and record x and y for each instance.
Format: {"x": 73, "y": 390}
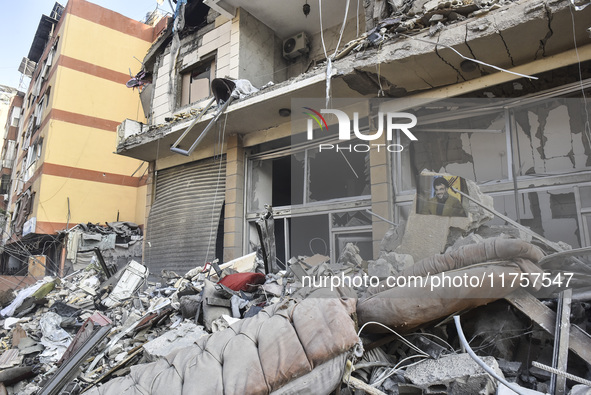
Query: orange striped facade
{"x": 77, "y": 177}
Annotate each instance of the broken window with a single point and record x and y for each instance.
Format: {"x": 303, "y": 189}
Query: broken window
{"x": 33, "y": 155}
{"x": 470, "y": 146}
{"x": 548, "y": 212}
{"x": 334, "y": 175}
{"x": 39, "y": 110}
{"x": 196, "y": 83}
{"x": 310, "y": 191}
{"x": 549, "y": 137}
{"x": 271, "y": 182}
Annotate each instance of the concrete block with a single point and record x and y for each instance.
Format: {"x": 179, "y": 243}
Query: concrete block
{"x": 380, "y": 268}
{"x": 223, "y": 72}
{"x": 234, "y": 195}
{"x": 210, "y": 37}
{"x": 232, "y": 224}
{"x": 234, "y": 210}
{"x": 232, "y": 239}
{"x": 224, "y": 30}
{"x": 232, "y": 181}
{"x": 426, "y": 235}
{"x": 509, "y": 368}
{"x": 182, "y": 337}
{"x": 160, "y": 100}
{"x": 454, "y": 375}
{"x": 233, "y": 73}
{"x": 381, "y": 209}
{"x": 393, "y": 237}
{"x": 380, "y": 189}
{"x": 190, "y": 59}
{"x": 207, "y": 49}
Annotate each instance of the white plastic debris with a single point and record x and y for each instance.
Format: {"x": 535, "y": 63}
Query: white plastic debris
{"x": 55, "y": 339}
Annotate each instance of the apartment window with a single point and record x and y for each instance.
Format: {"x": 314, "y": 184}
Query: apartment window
{"x": 5, "y": 184}
{"x": 33, "y": 155}
{"x": 196, "y": 83}
{"x": 15, "y": 116}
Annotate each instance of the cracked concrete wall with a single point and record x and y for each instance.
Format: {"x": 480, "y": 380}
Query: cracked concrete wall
{"x": 257, "y": 54}
{"x": 477, "y": 156}
{"x": 161, "y": 82}
{"x": 213, "y": 40}
{"x": 550, "y": 213}
{"x": 331, "y": 37}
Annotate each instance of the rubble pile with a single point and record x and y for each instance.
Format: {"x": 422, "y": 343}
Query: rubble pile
{"x": 382, "y": 327}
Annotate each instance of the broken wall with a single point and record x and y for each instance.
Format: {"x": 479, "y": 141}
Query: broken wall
{"x": 542, "y": 144}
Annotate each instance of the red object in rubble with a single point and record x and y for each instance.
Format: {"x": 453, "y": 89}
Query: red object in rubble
{"x": 242, "y": 281}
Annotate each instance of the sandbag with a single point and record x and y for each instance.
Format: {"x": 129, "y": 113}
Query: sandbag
{"x": 295, "y": 343}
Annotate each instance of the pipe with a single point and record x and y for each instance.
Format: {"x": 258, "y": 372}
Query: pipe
{"x": 380, "y": 217}
{"x": 479, "y": 361}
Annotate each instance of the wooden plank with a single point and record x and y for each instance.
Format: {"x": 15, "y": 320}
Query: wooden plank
{"x": 579, "y": 340}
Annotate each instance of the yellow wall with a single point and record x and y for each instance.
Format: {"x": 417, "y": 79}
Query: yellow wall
{"x": 103, "y": 52}
{"x": 74, "y": 145}
{"x": 89, "y": 95}
{"x": 89, "y": 201}
{"x": 81, "y": 146}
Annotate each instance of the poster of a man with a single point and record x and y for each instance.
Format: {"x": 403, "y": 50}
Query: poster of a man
{"x": 441, "y": 202}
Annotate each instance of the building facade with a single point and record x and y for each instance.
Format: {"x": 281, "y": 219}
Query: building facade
{"x": 65, "y": 171}
{"x": 530, "y": 148}
{"x": 12, "y": 118}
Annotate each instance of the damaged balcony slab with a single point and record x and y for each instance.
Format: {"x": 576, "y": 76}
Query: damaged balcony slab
{"x": 406, "y": 66}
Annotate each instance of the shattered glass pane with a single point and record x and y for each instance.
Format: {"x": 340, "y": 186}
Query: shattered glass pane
{"x": 335, "y": 175}
{"x": 363, "y": 241}
{"x": 351, "y": 218}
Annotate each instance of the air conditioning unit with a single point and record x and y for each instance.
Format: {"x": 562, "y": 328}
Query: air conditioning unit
{"x": 296, "y": 46}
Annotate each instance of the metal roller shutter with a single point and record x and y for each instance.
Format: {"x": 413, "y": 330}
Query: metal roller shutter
{"x": 183, "y": 221}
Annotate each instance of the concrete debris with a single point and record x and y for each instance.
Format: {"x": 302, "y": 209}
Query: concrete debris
{"x": 453, "y": 374}
{"x": 94, "y": 331}
{"x": 182, "y": 336}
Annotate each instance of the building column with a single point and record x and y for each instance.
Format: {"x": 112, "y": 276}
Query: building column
{"x": 234, "y": 209}
{"x": 150, "y": 196}
{"x": 381, "y": 193}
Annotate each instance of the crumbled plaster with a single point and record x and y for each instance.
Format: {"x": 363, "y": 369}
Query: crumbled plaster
{"x": 480, "y": 38}
{"x": 543, "y": 144}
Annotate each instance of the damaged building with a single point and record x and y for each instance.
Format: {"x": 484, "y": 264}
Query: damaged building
{"x": 528, "y": 146}
{"x": 382, "y": 197}
{"x": 64, "y": 171}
